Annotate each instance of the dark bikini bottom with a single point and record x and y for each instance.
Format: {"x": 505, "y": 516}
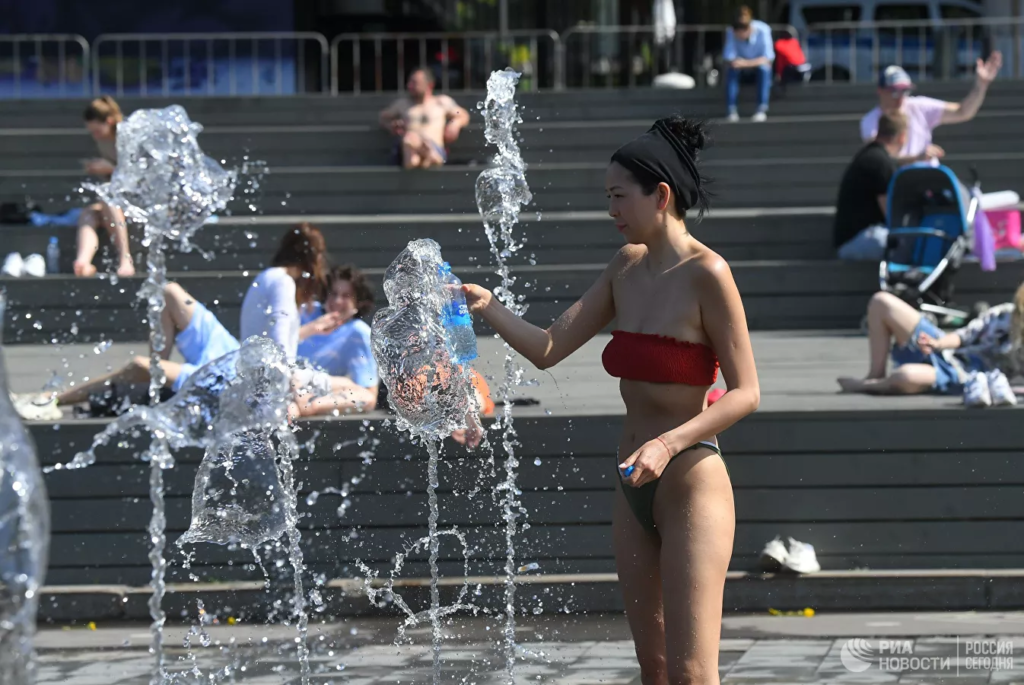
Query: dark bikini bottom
{"x": 641, "y": 499}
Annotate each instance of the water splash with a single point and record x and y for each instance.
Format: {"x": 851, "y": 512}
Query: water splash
{"x": 501, "y": 191}
{"x": 24, "y": 539}
{"x": 165, "y": 183}
{"x": 431, "y": 394}
{"x": 429, "y": 391}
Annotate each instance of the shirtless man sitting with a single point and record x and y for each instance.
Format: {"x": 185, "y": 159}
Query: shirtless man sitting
{"x": 425, "y": 122}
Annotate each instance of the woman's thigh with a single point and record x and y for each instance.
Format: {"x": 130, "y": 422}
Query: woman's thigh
{"x": 637, "y": 560}
{"x": 696, "y": 517}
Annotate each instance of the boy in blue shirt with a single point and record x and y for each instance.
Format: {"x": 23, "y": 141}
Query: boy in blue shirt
{"x": 748, "y": 54}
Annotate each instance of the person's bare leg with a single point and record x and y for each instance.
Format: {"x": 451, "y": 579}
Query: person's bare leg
{"x": 412, "y": 143}
{"x": 179, "y": 307}
{"x": 117, "y": 227}
{"x": 908, "y": 379}
{"x": 135, "y": 371}
{"x": 889, "y": 318}
{"x": 696, "y": 517}
{"x": 88, "y": 240}
{"x": 637, "y": 553}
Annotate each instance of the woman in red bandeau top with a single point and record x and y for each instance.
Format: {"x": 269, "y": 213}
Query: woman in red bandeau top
{"x": 679, "y": 316}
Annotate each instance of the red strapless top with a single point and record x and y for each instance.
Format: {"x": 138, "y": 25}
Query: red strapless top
{"x": 659, "y": 359}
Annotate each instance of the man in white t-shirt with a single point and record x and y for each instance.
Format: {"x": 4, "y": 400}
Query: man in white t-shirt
{"x": 924, "y": 114}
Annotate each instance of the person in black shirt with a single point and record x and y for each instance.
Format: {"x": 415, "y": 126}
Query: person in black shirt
{"x": 860, "y": 231}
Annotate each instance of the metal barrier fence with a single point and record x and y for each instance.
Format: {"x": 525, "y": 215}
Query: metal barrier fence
{"x": 284, "y": 63}
{"x": 42, "y": 65}
{"x": 626, "y": 56}
{"x": 854, "y": 52}
{"x": 381, "y": 62}
{"x": 265, "y": 63}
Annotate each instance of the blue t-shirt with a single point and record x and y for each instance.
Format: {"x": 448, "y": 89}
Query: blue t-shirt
{"x": 345, "y": 351}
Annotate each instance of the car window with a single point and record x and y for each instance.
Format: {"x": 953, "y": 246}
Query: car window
{"x": 956, "y": 12}
{"x": 903, "y": 12}
{"x": 831, "y": 13}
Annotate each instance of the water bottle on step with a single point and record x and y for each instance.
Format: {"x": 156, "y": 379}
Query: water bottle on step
{"x": 456, "y": 318}
{"x": 53, "y": 256}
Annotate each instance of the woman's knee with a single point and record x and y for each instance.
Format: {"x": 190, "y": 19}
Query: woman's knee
{"x": 693, "y": 671}
{"x": 653, "y": 668}
{"x": 882, "y": 302}
{"x": 138, "y": 368}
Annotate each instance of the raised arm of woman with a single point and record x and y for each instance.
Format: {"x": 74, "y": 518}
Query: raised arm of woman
{"x": 578, "y": 324}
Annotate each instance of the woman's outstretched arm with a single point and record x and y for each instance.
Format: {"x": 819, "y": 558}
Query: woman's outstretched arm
{"x": 578, "y": 324}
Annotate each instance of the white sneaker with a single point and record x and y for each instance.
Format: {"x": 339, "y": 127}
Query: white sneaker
{"x": 976, "y": 391}
{"x": 1000, "y": 390}
{"x": 801, "y": 557}
{"x": 759, "y": 117}
{"x": 37, "y": 407}
{"x": 35, "y": 265}
{"x": 773, "y": 556}
{"x": 13, "y": 266}
{"x": 733, "y": 117}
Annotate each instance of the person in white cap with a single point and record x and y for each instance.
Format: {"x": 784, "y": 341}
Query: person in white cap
{"x": 924, "y": 113}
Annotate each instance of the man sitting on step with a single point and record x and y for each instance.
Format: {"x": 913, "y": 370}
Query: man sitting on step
{"x": 860, "y": 230}
{"x": 424, "y": 123}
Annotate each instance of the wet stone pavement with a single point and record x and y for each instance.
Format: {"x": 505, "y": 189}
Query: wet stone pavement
{"x": 357, "y": 653}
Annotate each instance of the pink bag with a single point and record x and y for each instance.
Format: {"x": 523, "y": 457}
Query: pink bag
{"x": 1005, "y": 228}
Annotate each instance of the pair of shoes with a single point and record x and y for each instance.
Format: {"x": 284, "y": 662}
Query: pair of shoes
{"x": 988, "y": 389}
{"x": 37, "y": 406}
{"x": 793, "y": 555}
{"x": 16, "y": 267}
{"x": 758, "y": 117}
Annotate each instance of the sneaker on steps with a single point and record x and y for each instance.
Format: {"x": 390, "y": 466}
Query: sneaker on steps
{"x": 801, "y": 557}
{"x": 999, "y": 389}
{"x": 37, "y": 406}
{"x": 14, "y": 266}
{"x": 976, "y": 391}
{"x": 773, "y": 556}
{"x": 35, "y": 266}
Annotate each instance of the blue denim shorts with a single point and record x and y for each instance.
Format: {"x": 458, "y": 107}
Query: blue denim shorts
{"x": 948, "y": 370}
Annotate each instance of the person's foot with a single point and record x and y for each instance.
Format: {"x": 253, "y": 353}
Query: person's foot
{"x": 126, "y": 270}
{"x": 848, "y": 384}
{"x": 1000, "y": 390}
{"x": 759, "y": 117}
{"x": 84, "y": 269}
{"x": 37, "y": 406}
{"x": 976, "y": 391}
{"x": 732, "y": 117}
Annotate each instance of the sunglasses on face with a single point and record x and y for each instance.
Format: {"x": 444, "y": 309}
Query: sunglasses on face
{"x": 898, "y": 93}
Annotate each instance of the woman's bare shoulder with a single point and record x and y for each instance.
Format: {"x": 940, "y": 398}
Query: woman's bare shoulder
{"x": 627, "y": 257}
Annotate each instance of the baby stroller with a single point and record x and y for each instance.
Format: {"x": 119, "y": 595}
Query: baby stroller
{"x": 931, "y": 219}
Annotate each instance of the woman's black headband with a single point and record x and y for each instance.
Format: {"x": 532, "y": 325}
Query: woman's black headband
{"x": 660, "y": 154}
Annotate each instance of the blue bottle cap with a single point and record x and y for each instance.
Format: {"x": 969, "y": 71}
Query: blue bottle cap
{"x": 628, "y": 471}
{"x": 444, "y": 269}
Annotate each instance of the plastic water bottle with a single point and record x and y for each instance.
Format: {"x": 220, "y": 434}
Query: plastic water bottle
{"x": 457, "y": 319}
{"x": 53, "y": 256}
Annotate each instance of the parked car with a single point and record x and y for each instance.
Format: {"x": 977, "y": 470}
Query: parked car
{"x": 850, "y": 40}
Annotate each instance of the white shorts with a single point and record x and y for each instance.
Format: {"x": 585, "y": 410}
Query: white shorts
{"x": 204, "y": 340}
